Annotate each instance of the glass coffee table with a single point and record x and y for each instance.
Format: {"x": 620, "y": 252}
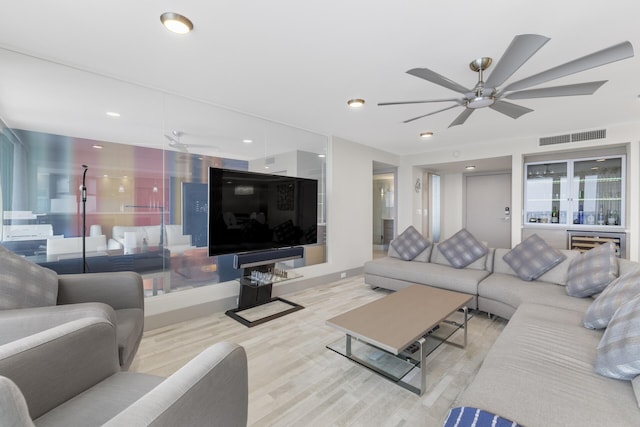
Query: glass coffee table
{"x": 394, "y": 335}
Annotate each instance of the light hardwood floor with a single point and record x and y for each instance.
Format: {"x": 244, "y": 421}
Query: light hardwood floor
{"x": 294, "y": 380}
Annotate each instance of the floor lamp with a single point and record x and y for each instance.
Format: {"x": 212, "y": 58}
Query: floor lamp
{"x": 83, "y": 191}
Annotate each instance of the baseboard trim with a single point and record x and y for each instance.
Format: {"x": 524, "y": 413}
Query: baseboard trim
{"x": 222, "y": 304}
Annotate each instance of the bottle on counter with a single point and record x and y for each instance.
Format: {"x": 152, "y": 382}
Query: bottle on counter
{"x": 554, "y": 215}
{"x": 581, "y": 214}
{"x": 600, "y": 216}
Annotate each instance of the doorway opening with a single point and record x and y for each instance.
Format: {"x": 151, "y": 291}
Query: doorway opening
{"x": 384, "y": 207}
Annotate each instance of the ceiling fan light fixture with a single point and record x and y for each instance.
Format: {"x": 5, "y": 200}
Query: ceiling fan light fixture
{"x": 481, "y": 101}
{"x": 426, "y": 135}
{"x": 355, "y": 102}
{"x": 176, "y": 23}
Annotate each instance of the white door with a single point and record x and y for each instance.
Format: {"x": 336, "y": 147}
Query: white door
{"x": 488, "y": 208}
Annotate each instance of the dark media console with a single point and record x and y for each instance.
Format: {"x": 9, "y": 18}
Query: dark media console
{"x": 257, "y": 278}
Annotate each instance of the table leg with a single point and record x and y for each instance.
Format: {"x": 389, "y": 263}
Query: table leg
{"x": 466, "y": 315}
{"x": 423, "y": 365}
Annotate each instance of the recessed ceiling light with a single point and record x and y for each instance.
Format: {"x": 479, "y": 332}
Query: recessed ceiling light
{"x": 355, "y": 103}
{"x": 247, "y": 141}
{"x": 322, "y": 156}
{"x": 601, "y": 160}
{"x": 176, "y": 23}
{"x": 470, "y": 167}
{"x": 113, "y": 114}
{"x": 426, "y": 135}
{"x": 97, "y": 146}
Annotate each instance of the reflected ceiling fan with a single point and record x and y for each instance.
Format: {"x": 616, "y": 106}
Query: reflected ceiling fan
{"x": 489, "y": 94}
{"x": 174, "y": 141}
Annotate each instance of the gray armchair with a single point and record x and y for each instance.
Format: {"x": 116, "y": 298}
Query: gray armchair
{"x": 33, "y": 298}
{"x": 69, "y": 375}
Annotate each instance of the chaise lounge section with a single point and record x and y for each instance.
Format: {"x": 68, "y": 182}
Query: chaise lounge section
{"x": 546, "y": 368}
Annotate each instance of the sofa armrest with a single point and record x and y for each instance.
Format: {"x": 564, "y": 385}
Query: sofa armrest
{"x": 212, "y": 389}
{"x": 13, "y": 407}
{"x": 54, "y": 365}
{"x": 122, "y": 289}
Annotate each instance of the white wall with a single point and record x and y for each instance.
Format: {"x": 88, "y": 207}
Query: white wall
{"x": 452, "y": 215}
{"x": 349, "y": 225}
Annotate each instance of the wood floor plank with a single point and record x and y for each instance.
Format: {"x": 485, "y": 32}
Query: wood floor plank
{"x": 294, "y": 380}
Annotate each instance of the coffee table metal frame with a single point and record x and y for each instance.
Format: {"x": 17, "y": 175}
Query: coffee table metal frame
{"x": 440, "y": 299}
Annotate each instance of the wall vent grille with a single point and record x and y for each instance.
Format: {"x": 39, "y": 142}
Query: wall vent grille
{"x": 558, "y": 139}
{"x": 573, "y": 137}
{"x": 269, "y": 160}
{"x": 586, "y": 136}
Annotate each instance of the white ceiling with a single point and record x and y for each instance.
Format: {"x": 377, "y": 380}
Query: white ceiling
{"x": 297, "y": 63}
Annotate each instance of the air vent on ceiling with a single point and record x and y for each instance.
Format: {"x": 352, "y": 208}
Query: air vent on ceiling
{"x": 574, "y": 137}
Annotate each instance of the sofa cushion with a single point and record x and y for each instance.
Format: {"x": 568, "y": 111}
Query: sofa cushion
{"x": 426, "y": 273}
{"x": 25, "y": 284}
{"x": 614, "y": 295}
{"x": 618, "y": 353}
{"x": 513, "y": 292}
{"x": 540, "y": 371}
{"x": 592, "y": 271}
{"x": 409, "y": 243}
{"x": 462, "y": 249}
{"x": 533, "y": 257}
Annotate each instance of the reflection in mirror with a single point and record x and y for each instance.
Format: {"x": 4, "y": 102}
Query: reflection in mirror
{"x": 148, "y": 154}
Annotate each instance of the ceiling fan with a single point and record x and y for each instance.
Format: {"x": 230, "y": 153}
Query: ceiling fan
{"x": 490, "y": 94}
{"x": 174, "y": 141}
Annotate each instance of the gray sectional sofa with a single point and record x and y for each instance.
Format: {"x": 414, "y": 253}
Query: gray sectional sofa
{"x": 540, "y": 371}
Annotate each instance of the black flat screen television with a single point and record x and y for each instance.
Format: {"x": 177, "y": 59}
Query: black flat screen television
{"x": 251, "y": 211}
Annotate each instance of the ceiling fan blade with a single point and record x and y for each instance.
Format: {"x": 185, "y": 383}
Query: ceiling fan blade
{"x": 605, "y": 56}
{"x": 430, "y": 114}
{"x": 566, "y": 90}
{"x": 462, "y": 117}
{"x": 433, "y": 77}
{"x": 176, "y": 144}
{"x": 380, "y": 104}
{"x": 512, "y": 110}
{"x": 522, "y": 47}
